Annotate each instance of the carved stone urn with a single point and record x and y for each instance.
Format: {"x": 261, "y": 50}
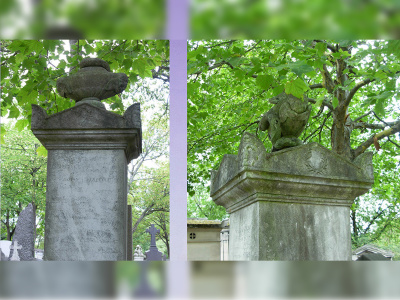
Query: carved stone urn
{"x": 92, "y": 83}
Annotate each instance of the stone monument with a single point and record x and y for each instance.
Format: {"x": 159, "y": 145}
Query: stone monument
{"x": 88, "y": 152}
{"x": 153, "y": 253}
{"x": 15, "y": 251}
{"x": 138, "y": 254}
{"x": 25, "y": 234}
{"x": 293, "y": 203}
{"x": 286, "y": 120}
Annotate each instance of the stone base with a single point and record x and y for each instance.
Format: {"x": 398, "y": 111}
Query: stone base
{"x": 286, "y": 231}
{"x": 293, "y": 204}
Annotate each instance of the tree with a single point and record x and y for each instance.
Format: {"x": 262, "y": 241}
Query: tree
{"x": 23, "y": 180}
{"x": 149, "y": 197}
{"x": 353, "y": 86}
{"x": 29, "y": 70}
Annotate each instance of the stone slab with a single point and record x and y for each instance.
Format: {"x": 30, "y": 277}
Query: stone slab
{"x": 25, "y": 234}
{"x": 281, "y": 231}
{"x": 86, "y": 205}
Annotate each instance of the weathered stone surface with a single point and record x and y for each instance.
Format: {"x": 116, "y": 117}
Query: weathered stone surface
{"x": 94, "y": 81}
{"x": 286, "y": 120}
{"x": 129, "y": 233}
{"x": 293, "y": 204}
{"x": 89, "y": 127}
{"x": 25, "y": 233}
{"x": 313, "y": 169}
{"x": 86, "y": 205}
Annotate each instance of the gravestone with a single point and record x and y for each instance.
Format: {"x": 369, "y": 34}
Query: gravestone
{"x": 89, "y": 148}
{"x": 153, "y": 253}
{"x": 3, "y": 257}
{"x": 5, "y": 248}
{"x": 25, "y": 233}
{"x": 138, "y": 254}
{"x": 292, "y": 204}
{"x": 15, "y": 248}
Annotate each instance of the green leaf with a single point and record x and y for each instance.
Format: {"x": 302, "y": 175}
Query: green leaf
{"x": 300, "y": 68}
{"x": 14, "y": 112}
{"x": 264, "y": 81}
{"x": 140, "y": 65}
{"x": 41, "y": 151}
{"x": 278, "y": 90}
{"x": 335, "y": 102}
{"x": 380, "y": 108}
{"x": 296, "y": 88}
{"x": 3, "y": 132}
{"x": 319, "y": 101}
{"x": 321, "y": 48}
{"x": 21, "y": 124}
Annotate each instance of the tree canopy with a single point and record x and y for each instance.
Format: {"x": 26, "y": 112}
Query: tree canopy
{"x": 353, "y": 87}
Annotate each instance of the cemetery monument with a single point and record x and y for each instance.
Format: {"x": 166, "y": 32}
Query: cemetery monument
{"x": 293, "y": 203}
{"x": 153, "y": 253}
{"x": 89, "y": 148}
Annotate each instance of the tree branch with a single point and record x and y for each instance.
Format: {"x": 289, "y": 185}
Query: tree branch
{"x": 385, "y": 133}
{"x": 355, "y": 89}
{"x": 316, "y": 86}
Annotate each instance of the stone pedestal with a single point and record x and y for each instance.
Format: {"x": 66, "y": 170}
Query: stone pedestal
{"x": 293, "y": 204}
{"x": 86, "y": 201}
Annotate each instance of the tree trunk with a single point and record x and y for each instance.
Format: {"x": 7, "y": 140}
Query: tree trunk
{"x": 340, "y": 133}
{"x": 354, "y": 224}
{"x": 8, "y": 226}
{"x": 341, "y": 127}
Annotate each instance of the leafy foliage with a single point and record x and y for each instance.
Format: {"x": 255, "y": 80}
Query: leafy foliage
{"x": 30, "y": 69}
{"x": 353, "y": 87}
{"x": 292, "y": 19}
{"x": 149, "y": 197}
{"x": 23, "y": 180}
{"x": 90, "y": 19}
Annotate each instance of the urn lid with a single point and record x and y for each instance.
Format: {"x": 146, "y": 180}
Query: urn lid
{"x": 94, "y": 62}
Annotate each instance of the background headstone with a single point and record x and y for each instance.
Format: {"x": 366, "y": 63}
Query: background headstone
{"x": 25, "y": 233}
{"x": 5, "y": 248}
{"x": 153, "y": 253}
{"x": 138, "y": 255}
{"x": 15, "y": 248}
{"x": 3, "y": 257}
